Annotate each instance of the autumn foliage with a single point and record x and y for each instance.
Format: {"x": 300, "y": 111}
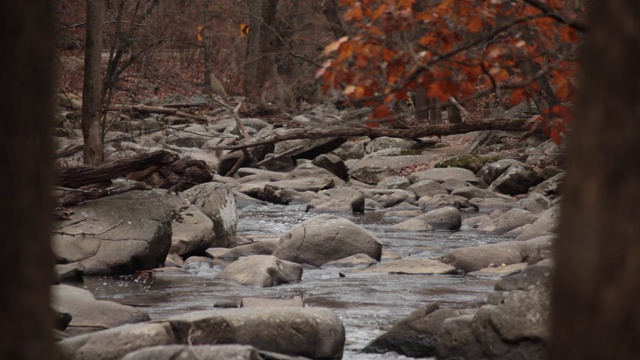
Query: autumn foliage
{"x": 460, "y": 49}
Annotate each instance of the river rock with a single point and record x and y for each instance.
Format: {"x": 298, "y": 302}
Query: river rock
{"x": 489, "y": 205}
{"x": 357, "y": 260}
{"x": 325, "y": 238}
{"x": 427, "y": 188}
{"x": 389, "y": 197}
{"x": 384, "y": 142}
{"x": 333, "y": 164}
{"x": 445, "y": 218}
{"x": 205, "y": 352}
{"x": 69, "y": 272}
{"x": 428, "y": 203}
{"x": 113, "y": 344}
{"x": 517, "y": 179}
{"x": 295, "y": 301}
{"x": 412, "y": 266}
{"x": 414, "y": 335}
{"x": 310, "y": 171}
{"x": 471, "y": 192}
{"x": 88, "y": 314}
{"x": 394, "y": 182}
{"x": 550, "y": 187}
{"x": 261, "y": 270}
{"x": 474, "y": 258}
{"x": 500, "y": 270}
{"x": 372, "y": 170}
{"x": 316, "y": 333}
{"x": 341, "y": 199}
{"x": 489, "y": 172}
{"x": 545, "y": 224}
{"x": 512, "y": 219}
{"x": 263, "y": 247}
{"x": 534, "y": 203}
{"x": 217, "y": 202}
{"x": 188, "y": 136}
{"x": 442, "y": 174}
{"x": 123, "y": 233}
{"x": 192, "y": 231}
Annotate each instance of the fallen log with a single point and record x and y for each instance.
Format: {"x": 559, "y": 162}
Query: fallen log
{"x": 74, "y": 177}
{"x": 73, "y": 196}
{"x": 145, "y": 109}
{"x": 423, "y": 131}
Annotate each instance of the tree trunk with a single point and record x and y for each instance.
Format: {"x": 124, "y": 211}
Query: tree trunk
{"x": 250, "y": 84}
{"x": 26, "y": 29}
{"x": 597, "y": 279}
{"x": 92, "y": 91}
{"x": 330, "y": 10}
{"x": 207, "y": 42}
{"x": 266, "y": 63}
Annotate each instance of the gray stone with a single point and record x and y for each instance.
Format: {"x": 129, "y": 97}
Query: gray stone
{"x": 261, "y": 270}
{"x": 550, "y": 187}
{"x": 114, "y": 344}
{"x": 427, "y": 188}
{"x": 205, "y": 352}
{"x": 437, "y": 201}
{"x": 316, "y": 333}
{"x": 88, "y": 314}
{"x": 474, "y": 258}
{"x": 295, "y": 301}
{"x": 534, "y": 203}
{"x": 341, "y": 199}
{"x": 490, "y": 172}
{"x": 333, "y": 164}
{"x": 374, "y": 169}
{"x": 383, "y": 142}
{"x": 500, "y": 270}
{"x": 394, "y": 182}
{"x": 69, "y": 272}
{"x": 411, "y": 266}
{"x": 512, "y": 219}
{"x": 192, "y": 231}
{"x": 471, "y": 192}
{"x": 442, "y": 174}
{"x": 445, "y": 218}
{"x": 545, "y": 224}
{"x": 122, "y": 233}
{"x": 217, "y": 202}
{"x": 264, "y": 247}
{"x": 325, "y": 238}
{"x": 517, "y": 179}
{"x": 356, "y": 260}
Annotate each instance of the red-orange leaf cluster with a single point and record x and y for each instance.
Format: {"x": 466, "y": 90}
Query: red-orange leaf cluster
{"x": 460, "y": 49}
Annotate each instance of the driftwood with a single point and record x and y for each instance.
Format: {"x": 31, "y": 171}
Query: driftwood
{"x": 423, "y": 131}
{"x": 145, "y": 109}
{"x": 74, "y": 177}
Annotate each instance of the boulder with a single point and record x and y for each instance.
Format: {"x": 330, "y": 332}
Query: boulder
{"x": 357, "y": 260}
{"x": 333, "y": 164}
{"x": 205, "y": 352}
{"x": 188, "y": 136}
{"x": 341, "y": 199}
{"x": 551, "y": 186}
{"x": 372, "y": 170}
{"x": 534, "y": 203}
{"x": 88, "y": 314}
{"x": 442, "y": 174}
{"x": 471, "y": 192}
{"x": 121, "y": 234}
{"x": 474, "y": 258}
{"x": 517, "y": 179}
{"x": 295, "y": 301}
{"x": 427, "y": 188}
{"x": 217, "y": 202}
{"x": 512, "y": 219}
{"x": 545, "y": 224}
{"x": 389, "y": 197}
{"x": 114, "y": 344}
{"x": 489, "y": 172}
{"x": 263, "y": 247}
{"x": 411, "y": 266}
{"x": 69, "y": 272}
{"x": 394, "y": 182}
{"x": 325, "y": 238}
{"x": 261, "y": 270}
{"x": 384, "y": 142}
{"x": 316, "y": 333}
{"x": 428, "y": 203}
{"x": 192, "y": 231}
{"x": 445, "y": 218}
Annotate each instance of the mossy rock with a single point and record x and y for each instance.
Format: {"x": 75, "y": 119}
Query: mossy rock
{"x": 549, "y": 172}
{"x": 470, "y": 162}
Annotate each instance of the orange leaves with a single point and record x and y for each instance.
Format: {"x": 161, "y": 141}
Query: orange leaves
{"x": 474, "y": 25}
{"x": 354, "y": 13}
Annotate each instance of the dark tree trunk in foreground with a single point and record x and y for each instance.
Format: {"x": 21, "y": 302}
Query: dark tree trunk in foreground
{"x": 596, "y": 312}
{"x": 92, "y": 86}
{"x": 26, "y": 157}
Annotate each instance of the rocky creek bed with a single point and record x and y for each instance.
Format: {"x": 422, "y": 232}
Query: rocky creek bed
{"x": 367, "y": 303}
{"x": 361, "y": 249}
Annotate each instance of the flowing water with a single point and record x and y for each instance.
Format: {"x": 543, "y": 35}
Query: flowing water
{"x": 367, "y": 303}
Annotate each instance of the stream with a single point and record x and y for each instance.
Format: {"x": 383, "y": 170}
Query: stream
{"x": 367, "y": 303}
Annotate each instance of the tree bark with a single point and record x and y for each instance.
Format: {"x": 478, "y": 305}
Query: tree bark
{"x": 597, "y": 278}
{"x": 26, "y": 29}
{"x": 92, "y": 86}
{"x": 330, "y": 10}
{"x": 258, "y": 64}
